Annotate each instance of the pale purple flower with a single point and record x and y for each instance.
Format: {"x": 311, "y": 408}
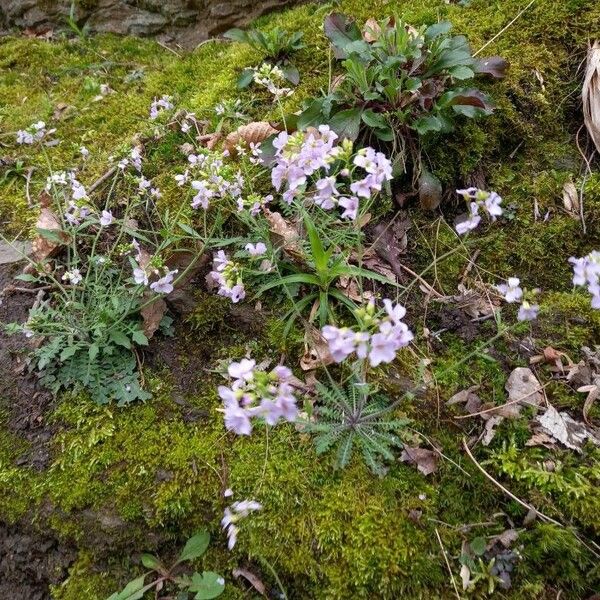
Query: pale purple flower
{"x": 73, "y": 276}
{"x": 395, "y": 312}
{"x": 203, "y": 196}
{"x": 469, "y": 223}
{"x": 237, "y": 419}
{"x": 511, "y": 291}
{"x": 106, "y": 218}
{"x": 528, "y": 312}
{"x": 233, "y": 514}
{"x": 183, "y": 178}
{"x": 341, "y": 341}
{"x": 228, "y": 493}
{"x": 326, "y": 192}
{"x": 243, "y": 370}
{"x": 350, "y": 204}
{"x": 165, "y": 284}
{"x": 84, "y": 152}
{"x": 140, "y": 276}
{"x": 257, "y": 249}
{"x": 492, "y": 205}
{"x": 159, "y": 105}
{"x": 383, "y": 349}
{"x": 362, "y": 187}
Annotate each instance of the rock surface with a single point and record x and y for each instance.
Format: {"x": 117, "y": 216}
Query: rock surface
{"x": 184, "y": 22}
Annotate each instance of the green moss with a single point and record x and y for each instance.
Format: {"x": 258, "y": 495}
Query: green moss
{"x": 326, "y": 534}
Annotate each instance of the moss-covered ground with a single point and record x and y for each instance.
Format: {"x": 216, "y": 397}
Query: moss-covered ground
{"x": 325, "y": 534}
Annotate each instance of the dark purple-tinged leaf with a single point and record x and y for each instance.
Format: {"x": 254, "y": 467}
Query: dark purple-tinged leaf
{"x": 495, "y": 66}
{"x": 346, "y": 123}
{"x": 341, "y": 31}
{"x": 466, "y": 97}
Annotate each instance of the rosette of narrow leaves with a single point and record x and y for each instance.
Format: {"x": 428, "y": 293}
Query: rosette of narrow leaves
{"x": 276, "y": 46}
{"x": 355, "y": 419}
{"x": 399, "y": 83}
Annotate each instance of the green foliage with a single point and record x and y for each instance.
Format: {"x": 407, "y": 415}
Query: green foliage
{"x": 203, "y": 586}
{"x": 355, "y": 418}
{"x": 276, "y": 45}
{"x": 400, "y": 84}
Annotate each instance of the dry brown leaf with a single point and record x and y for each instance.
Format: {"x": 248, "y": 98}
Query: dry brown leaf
{"x": 317, "y": 351}
{"x": 210, "y": 140}
{"x": 540, "y": 439}
{"x": 252, "y": 579}
{"x": 593, "y": 393}
{"x": 476, "y": 303}
{"x": 467, "y": 397}
{"x": 349, "y": 287}
{"x": 284, "y": 235}
{"x": 42, "y": 247}
{"x": 371, "y": 30}
{"x": 425, "y": 460}
{"x": 390, "y": 241}
{"x": 62, "y": 110}
{"x": 571, "y": 199}
{"x": 590, "y": 94}
{"x": 254, "y": 133}
{"x": 523, "y": 388}
{"x": 563, "y": 428}
{"x": 152, "y": 315}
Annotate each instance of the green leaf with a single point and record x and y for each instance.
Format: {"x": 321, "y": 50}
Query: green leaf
{"x": 374, "y": 119}
{"x": 359, "y": 272}
{"x": 236, "y": 35}
{"x": 93, "y": 351}
{"x": 134, "y": 590}
{"x": 346, "y": 123}
{"x": 208, "y": 585}
{"x": 437, "y": 29}
{"x": 478, "y": 545}
{"x": 312, "y": 114}
{"x": 119, "y": 338}
{"x": 289, "y": 279}
{"x": 139, "y": 338}
{"x": 52, "y": 235}
{"x": 151, "y": 562}
{"x": 291, "y": 73}
{"x": 68, "y": 352}
{"x": 424, "y": 125}
{"x": 26, "y": 277}
{"x": 189, "y": 230}
{"x": 245, "y": 78}
{"x": 462, "y": 72}
{"x": 195, "y": 547}
{"x": 319, "y": 254}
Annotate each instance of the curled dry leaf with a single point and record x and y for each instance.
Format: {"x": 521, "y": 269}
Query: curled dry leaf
{"x": 317, "y": 351}
{"x": 571, "y": 199}
{"x": 430, "y": 191}
{"x": 371, "y": 30}
{"x": 563, "y": 428}
{"x": 152, "y": 314}
{"x": 349, "y": 287}
{"x": 209, "y": 140}
{"x": 590, "y": 94}
{"x": 284, "y": 235}
{"x": 252, "y": 579}
{"x": 390, "y": 241}
{"x": 476, "y": 303}
{"x": 425, "y": 460}
{"x": 254, "y": 133}
{"x": 50, "y": 236}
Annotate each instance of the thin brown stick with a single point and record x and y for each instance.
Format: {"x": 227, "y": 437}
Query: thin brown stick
{"x": 102, "y": 179}
{"x": 437, "y": 533}
{"x": 504, "y": 28}
{"x": 27, "y": 182}
{"x": 524, "y": 504}
{"x": 429, "y": 287}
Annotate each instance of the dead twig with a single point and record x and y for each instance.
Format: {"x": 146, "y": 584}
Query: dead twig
{"x": 447, "y": 562}
{"x": 524, "y": 504}
{"x": 102, "y": 179}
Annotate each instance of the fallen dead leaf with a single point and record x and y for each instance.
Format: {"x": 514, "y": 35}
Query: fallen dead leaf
{"x": 590, "y": 94}
{"x": 349, "y": 287}
{"x": 317, "y": 352}
{"x": 473, "y": 302}
{"x": 563, "y": 428}
{"x": 252, "y": 579}
{"x": 571, "y": 199}
{"x": 254, "y": 133}
{"x": 284, "y": 235}
{"x": 152, "y": 314}
{"x": 45, "y": 246}
{"x": 425, "y": 460}
{"x": 523, "y": 388}
{"x": 541, "y": 439}
{"x": 390, "y": 241}
{"x": 467, "y": 397}
{"x": 371, "y": 30}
